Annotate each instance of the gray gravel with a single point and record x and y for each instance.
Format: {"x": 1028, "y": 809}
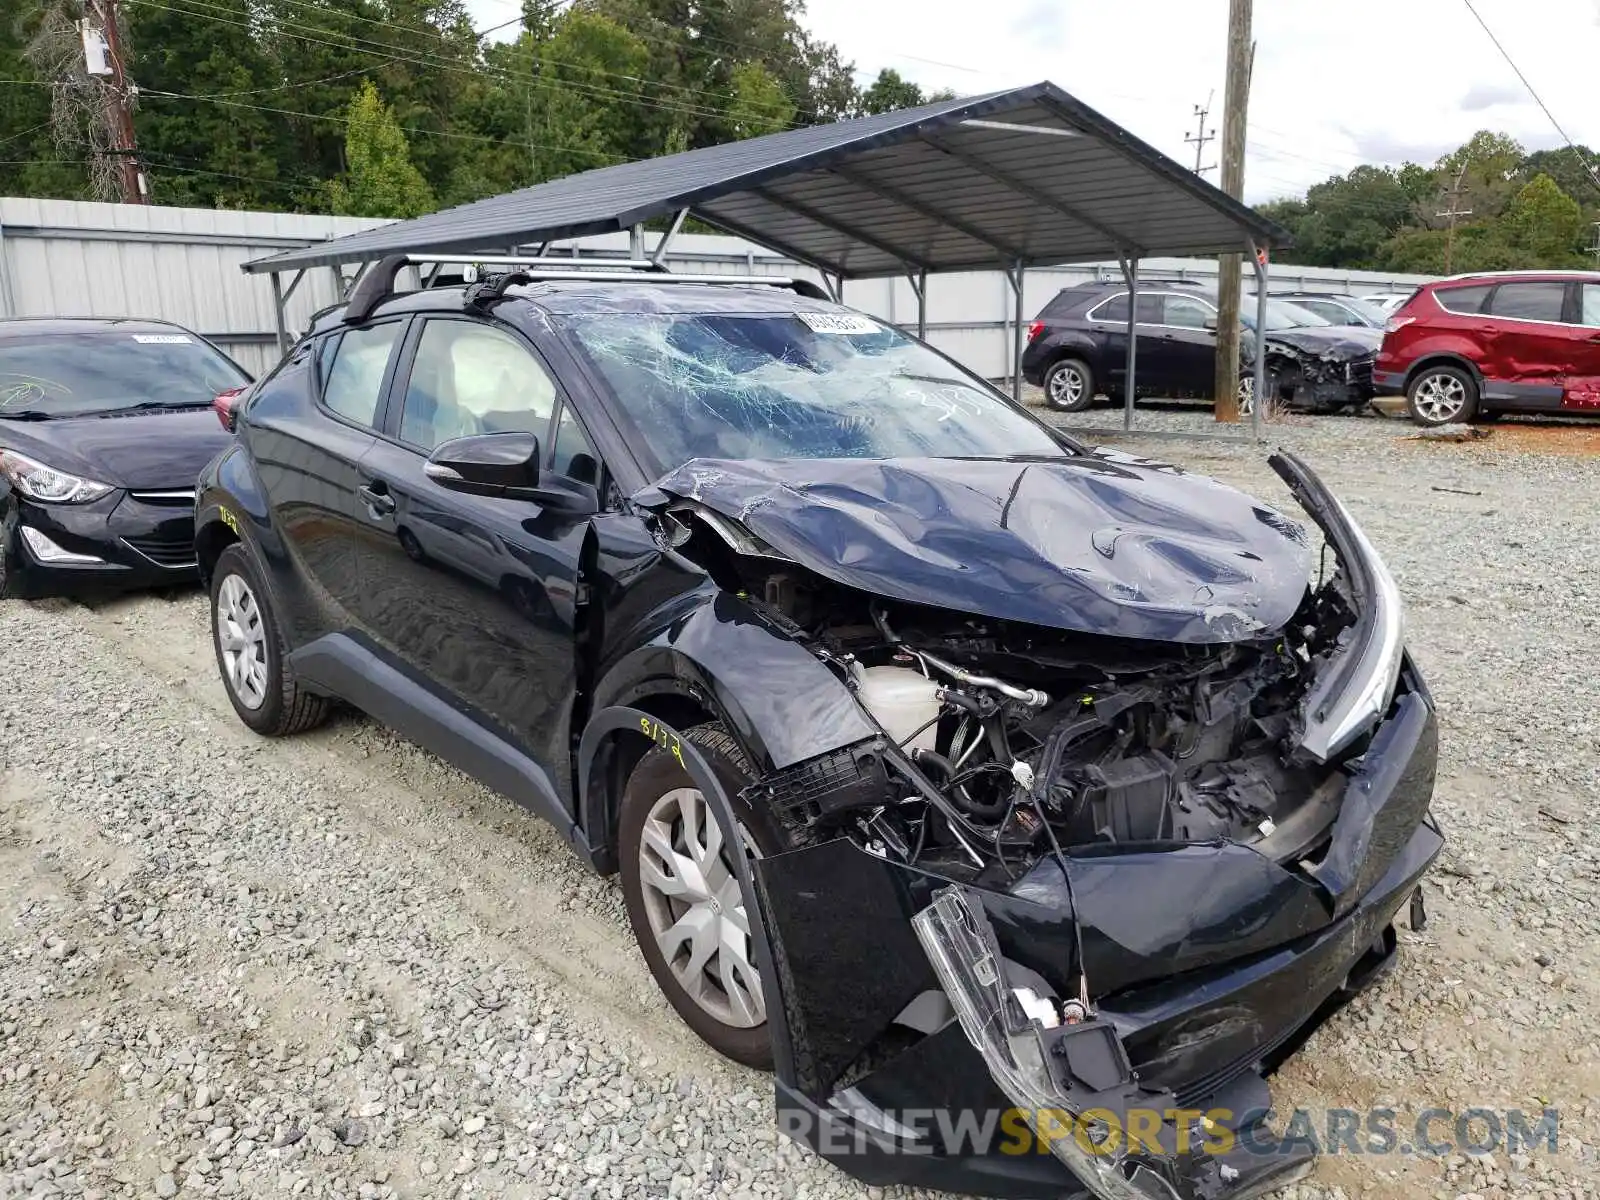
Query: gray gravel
{"x": 332, "y": 966}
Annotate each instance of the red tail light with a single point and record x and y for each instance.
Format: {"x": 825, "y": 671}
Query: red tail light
{"x": 1035, "y": 330}
{"x": 226, "y": 406}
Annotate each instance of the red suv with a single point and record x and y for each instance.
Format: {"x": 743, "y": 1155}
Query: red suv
{"x": 1475, "y": 346}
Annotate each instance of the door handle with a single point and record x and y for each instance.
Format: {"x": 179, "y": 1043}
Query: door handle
{"x": 377, "y": 499}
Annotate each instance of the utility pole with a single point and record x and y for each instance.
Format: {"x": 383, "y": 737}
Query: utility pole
{"x": 119, "y": 108}
{"x": 1235, "y": 103}
{"x": 1453, "y": 212}
{"x": 1199, "y": 139}
{"x": 1594, "y": 250}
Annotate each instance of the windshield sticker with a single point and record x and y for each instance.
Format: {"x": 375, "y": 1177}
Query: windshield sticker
{"x": 163, "y": 339}
{"x": 846, "y": 323}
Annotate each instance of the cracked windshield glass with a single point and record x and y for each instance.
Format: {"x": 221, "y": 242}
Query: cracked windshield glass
{"x": 796, "y": 385}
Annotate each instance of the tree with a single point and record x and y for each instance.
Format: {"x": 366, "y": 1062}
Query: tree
{"x": 380, "y": 179}
{"x": 890, "y": 92}
{"x": 33, "y": 164}
{"x": 758, "y": 104}
{"x": 1544, "y": 225}
{"x": 206, "y": 152}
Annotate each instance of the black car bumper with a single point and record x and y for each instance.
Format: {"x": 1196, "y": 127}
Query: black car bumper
{"x": 1273, "y": 954}
{"x": 125, "y": 540}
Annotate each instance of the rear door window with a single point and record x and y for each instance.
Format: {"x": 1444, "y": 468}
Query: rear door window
{"x": 1464, "y": 300}
{"x": 1533, "y": 301}
{"x": 1116, "y": 310}
{"x": 353, "y": 383}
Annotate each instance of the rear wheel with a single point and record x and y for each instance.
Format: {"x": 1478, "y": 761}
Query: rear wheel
{"x": 688, "y": 912}
{"x": 251, "y": 655}
{"x": 1441, "y": 395}
{"x": 1069, "y": 386}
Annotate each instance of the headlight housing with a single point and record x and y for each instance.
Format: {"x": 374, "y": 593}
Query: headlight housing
{"x": 37, "y": 481}
{"x": 1352, "y": 691}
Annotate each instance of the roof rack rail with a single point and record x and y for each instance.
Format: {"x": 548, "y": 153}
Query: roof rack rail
{"x": 378, "y": 283}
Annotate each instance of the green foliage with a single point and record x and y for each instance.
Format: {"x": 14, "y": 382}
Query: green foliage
{"x": 1514, "y": 211}
{"x": 890, "y": 92}
{"x": 380, "y": 179}
{"x": 758, "y": 104}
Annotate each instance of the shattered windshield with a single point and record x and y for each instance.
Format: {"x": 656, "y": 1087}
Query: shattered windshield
{"x": 788, "y": 385}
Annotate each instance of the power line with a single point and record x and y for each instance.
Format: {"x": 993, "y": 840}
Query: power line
{"x": 1510, "y": 62}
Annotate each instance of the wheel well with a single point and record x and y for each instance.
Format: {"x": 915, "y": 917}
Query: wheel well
{"x": 614, "y": 762}
{"x": 1445, "y": 360}
{"x": 209, "y": 543}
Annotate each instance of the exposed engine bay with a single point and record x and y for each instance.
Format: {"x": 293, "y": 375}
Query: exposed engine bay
{"x": 1004, "y": 742}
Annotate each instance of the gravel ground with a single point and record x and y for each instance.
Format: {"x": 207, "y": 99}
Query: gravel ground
{"x": 332, "y": 966}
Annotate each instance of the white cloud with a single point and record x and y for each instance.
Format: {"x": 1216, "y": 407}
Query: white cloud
{"x": 1335, "y": 84}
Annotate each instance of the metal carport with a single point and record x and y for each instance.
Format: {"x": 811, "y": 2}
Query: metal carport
{"x": 1009, "y": 180}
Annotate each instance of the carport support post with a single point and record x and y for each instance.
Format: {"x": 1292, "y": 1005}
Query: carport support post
{"x": 919, "y": 285}
{"x": 1015, "y": 275}
{"x": 1258, "y": 258}
{"x": 1130, "y": 272}
{"x": 277, "y": 313}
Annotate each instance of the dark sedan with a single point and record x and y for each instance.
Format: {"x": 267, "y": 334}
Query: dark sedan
{"x": 104, "y": 426}
{"x": 1078, "y": 349}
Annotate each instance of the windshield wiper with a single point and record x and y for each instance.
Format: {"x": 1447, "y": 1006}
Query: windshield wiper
{"x": 23, "y": 414}
{"x": 149, "y": 404}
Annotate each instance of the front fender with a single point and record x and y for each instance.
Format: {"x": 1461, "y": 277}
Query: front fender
{"x": 230, "y": 497}
{"x": 776, "y": 697}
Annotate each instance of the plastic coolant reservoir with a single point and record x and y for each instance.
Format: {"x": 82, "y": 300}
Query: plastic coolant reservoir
{"x": 902, "y": 701}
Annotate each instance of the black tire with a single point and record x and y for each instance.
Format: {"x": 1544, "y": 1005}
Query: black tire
{"x": 1069, "y": 385}
{"x": 285, "y": 707}
{"x": 1442, "y": 395}
{"x": 656, "y": 775}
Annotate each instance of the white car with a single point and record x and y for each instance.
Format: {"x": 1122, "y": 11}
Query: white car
{"x": 1387, "y": 301}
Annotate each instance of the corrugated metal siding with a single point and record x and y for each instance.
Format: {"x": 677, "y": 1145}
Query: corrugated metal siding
{"x": 66, "y": 258}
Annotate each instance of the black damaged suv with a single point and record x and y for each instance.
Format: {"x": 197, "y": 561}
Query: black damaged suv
{"x": 947, "y": 764}
{"x": 1078, "y": 349}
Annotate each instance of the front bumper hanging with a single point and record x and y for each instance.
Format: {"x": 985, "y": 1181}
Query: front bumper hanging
{"x": 1069, "y": 1076}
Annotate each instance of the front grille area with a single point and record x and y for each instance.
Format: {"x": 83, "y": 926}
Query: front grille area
{"x": 166, "y": 550}
{"x": 168, "y": 498}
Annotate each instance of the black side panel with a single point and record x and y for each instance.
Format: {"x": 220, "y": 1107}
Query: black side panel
{"x": 340, "y": 665}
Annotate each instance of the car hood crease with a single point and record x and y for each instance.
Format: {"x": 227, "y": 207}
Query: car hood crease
{"x": 1102, "y": 544}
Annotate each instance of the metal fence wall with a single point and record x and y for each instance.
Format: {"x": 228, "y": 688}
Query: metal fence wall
{"x": 70, "y": 258}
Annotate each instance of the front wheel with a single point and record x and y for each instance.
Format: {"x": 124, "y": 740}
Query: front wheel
{"x": 688, "y": 912}
{"x": 1442, "y": 395}
{"x": 1069, "y": 386}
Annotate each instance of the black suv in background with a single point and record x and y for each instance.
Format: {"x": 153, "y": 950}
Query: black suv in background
{"x": 1078, "y": 349}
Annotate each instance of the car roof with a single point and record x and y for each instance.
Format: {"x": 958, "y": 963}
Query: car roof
{"x": 47, "y": 326}
{"x": 1509, "y": 276}
{"x": 572, "y": 297}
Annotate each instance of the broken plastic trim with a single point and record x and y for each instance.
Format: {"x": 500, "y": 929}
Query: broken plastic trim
{"x": 1093, "y": 1068}
{"x": 1355, "y": 686}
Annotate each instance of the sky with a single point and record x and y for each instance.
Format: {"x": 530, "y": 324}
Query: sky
{"x": 1336, "y": 82}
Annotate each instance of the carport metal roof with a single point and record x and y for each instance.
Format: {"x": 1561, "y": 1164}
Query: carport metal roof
{"x": 1012, "y": 179}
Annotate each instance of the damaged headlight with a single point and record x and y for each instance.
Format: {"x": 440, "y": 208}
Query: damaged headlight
{"x": 1355, "y": 686}
{"x": 1063, "y": 1078}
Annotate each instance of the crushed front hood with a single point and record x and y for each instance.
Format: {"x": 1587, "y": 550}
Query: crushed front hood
{"x": 1103, "y": 544}
{"x": 1341, "y": 341}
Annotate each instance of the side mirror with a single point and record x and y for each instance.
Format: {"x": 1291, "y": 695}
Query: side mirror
{"x": 1211, "y": 323}
{"x": 506, "y": 465}
{"x": 486, "y": 464}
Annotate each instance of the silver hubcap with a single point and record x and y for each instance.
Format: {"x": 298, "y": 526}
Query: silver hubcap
{"x": 1440, "y": 398}
{"x": 696, "y": 910}
{"x": 1247, "y": 395}
{"x": 242, "y": 638}
{"x": 1066, "y": 385}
